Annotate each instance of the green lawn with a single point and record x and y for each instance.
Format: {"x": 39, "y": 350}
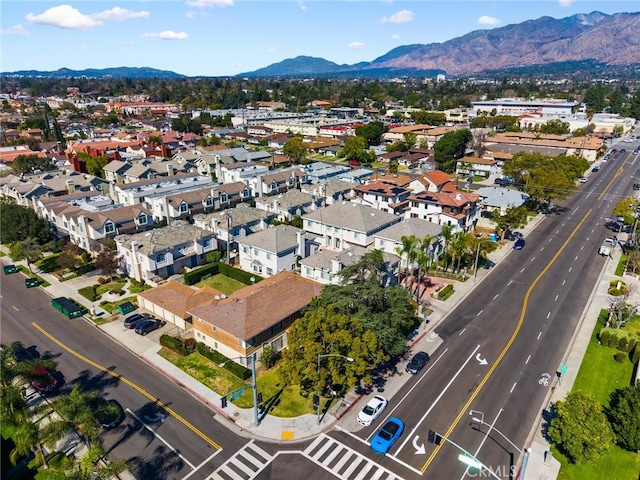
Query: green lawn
{"x": 621, "y": 264}
{"x": 221, "y": 283}
{"x": 111, "y": 306}
{"x": 49, "y": 264}
{"x": 633, "y": 325}
{"x": 114, "y": 285}
{"x": 598, "y": 376}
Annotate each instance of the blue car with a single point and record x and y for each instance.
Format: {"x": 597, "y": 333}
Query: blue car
{"x": 387, "y": 436}
{"x": 518, "y": 244}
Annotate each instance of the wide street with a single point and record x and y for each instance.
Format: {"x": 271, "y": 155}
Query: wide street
{"x": 502, "y": 347}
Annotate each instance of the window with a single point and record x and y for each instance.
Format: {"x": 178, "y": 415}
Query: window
{"x": 307, "y": 271}
{"x": 109, "y": 227}
{"x": 382, "y": 243}
{"x": 161, "y": 257}
{"x": 256, "y": 251}
{"x": 356, "y": 235}
{"x": 268, "y": 256}
{"x": 277, "y": 344}
{"x": 207, "y": 242}
{"x": 269, "y": 271}
{"x": 142, "y": 219}
{"x": 274, "y": 185}
{"x": 208, "y": 202}
{"x": 257, "y": 268}
{"x": 184, "y": 208}
{"x": 245, "y": 249}
{"x": 224, "y": 198}
{"x": 245, "y": 193}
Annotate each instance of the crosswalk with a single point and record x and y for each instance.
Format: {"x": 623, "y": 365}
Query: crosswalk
{"x": 344, "y": 462}
{"x": 246, "y": 464}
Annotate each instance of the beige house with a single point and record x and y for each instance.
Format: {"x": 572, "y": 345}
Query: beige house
{"x": 255, "y": 316}
{"x": 171, "y": 301}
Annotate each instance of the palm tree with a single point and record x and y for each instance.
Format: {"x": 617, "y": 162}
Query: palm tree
{"x": 91, "y": 466}
{"x": 447, "y": 232}
{"x": 408, "y": 250}
{"x": 459, "y": 242}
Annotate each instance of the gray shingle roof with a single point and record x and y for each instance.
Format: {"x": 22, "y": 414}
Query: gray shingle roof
{"x": 353, "y": 216}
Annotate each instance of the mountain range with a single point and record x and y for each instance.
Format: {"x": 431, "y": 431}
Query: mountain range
{"x": 591, "y": 39}
{"x": 588, "y": 42}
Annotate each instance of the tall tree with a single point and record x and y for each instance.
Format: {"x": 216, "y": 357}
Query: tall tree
{"x": 107, "y": 262}
{"x": 372, "y": 132}
{"x": 27, "y": 250}
{"x": 450, "y": 147}
{"x": 18, "y": 223}
{"x": 580, "y": 428}
{"x": 24, "y": 164}
{"x": 296, "y": 149}
{"x": 514, "y": 217}
{"x": 624, "y": 415}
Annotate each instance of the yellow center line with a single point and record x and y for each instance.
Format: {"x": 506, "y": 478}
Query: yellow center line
{"x": 131, "y": 384}
{"x": 465, "y": 408}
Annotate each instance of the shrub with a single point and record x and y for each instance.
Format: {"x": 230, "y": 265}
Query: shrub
{"x": 623, "y": 343}
{"x": 239, "y": 275}
{"x": 620, "y": 357}
{"x": 89, "y": 293}
{"x": 194, "y": 276}
{"x": 86, "y": 268}
{"x": 631, "y": 344}
{"x": 446, "y": 292}
{"x": 184, "y": 348}
{"x": 102, "y": 280}
{"x": 614, "y": 339}
{"x": 218, "y": 358}
{"x": 635, "y": 356}
{"x": 605, "y": 333}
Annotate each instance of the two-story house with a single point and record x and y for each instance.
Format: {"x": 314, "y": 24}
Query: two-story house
{"x": 240, "y": 172}
{"x": 289, "y": 204}
{"x": 383, "y": 195}
{"x": 481, "y": 167}
{"x": 344, "y": 224}
{"x": 276, "y": 182}
{"x": 137, "y": 192}
{"x": 259, "y": 315}
{"x": 458, "y": 209}
{"x": 162, "y": 252}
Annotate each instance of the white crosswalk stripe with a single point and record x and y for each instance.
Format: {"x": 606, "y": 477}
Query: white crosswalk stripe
{"x": 344, "y": 462}
{"x": 244, "y": 465}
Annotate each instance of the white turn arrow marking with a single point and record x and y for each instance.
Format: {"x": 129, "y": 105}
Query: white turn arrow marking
{"x": 482, "y": 361}
{"x": 419, "y": 448}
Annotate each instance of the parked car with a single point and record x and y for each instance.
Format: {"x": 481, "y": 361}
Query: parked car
{"x": 595, "y": 169}
{"x": 488, "y": 264}
{"x": 132, "y": 320}
{"x": 518, "y": 244}
{"x": 387, "y": 436}
{"x": 109, "y": 413}
{"x": 636, "y": 186}
{"x": 418, "y": 361}
{"x": 19, "y": 352}
{"x": 583, "y": 179}
{"x": 372, "y": 410}
{"x": 42, "y": 379}
{"x": 8, "y": 269}
{"x": 148, "y": 326}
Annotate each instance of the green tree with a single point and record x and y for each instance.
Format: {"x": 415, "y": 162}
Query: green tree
{"x": 354, "y": 149}
{"x": 594, "y": 98}
{"x": 626, "y": 208}
{"x": 296, "y": 149}
{"x": 372, "y": 132}
{"x": 107, "y": 262}
{"x": 580, "y": 428}
{"x": 18, "y": 222}
{"x": 514, "y": 217}
{"x": 624, "y": 406}
{"x": 429, "y": 118}
{"x": 27, "y": 250}
{"x": 24, "y": 164}
{"x": 408, "y": 250}
{"x": 95, "y": 166}
{"x": 555, "y": 127}
{"x": 450, "y": 148}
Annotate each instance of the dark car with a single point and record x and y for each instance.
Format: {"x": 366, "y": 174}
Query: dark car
{"x": 8, "y": 269}
{"x": 19, "y": 352}
{"x": 488, "y": 264}
{"x": 595, "y": 169}
{"x": 636, "y": 186}
{"x": 418, "y": 361}
{"x": 147, "y": 326}
{"x": 132, "y": 320}
{"x": 518, "y": 244}
{"x": 109, "y": 413}
{"x": 387, "y": 436}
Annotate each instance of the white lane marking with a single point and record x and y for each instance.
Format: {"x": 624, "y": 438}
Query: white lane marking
{"x": 556, "y": 298}
{"x": 581, "y": 248}
{"x": 433, "y": 404}
{"x": 510, "y": 282}
{"x": 575, "y": 258}
{"x": 587, "y": 239}
{"x": 551, "y": 238}
{"x": 542, "y": 249}
{"x": 462, "y": 331}
{"x": 533, "y": 258}
{"x": 575, "y": 210}
{"x": 486, "y": 435}
{"x": 203, "y": 463}
{"x": 479, "y": 313}
{"x": 527, "y": 361}
{"x": 539, "y": 335}
{"x": 548, "y": 315}
{"x": 155, "y": 434}
{"x": 514, "y": 386}
{"x": 570, "y": 268}
{"x": 522, "y": 270}
{"x": 496, "y": 296}
{"x": 563, "y": 282}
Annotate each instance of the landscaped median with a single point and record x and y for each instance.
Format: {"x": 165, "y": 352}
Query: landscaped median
{"x": 600, "y": 375}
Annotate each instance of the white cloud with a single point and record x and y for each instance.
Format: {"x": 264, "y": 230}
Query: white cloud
{"x": 403, "y": 16}
{"x": 64, "y": 16}
{"x": 302, "y": 6}
{"x": 210, "y": 3}
{"x": 270, "y": 51}
{"x": 356, "y": 45}
{"x": 166, "y": 35}
{"x": 15, "y": 30}
{"x": 565, "y": 3}
{"x": 190, "y": 15}
{"x": 487, "y": 20}
{"x": 395, "y": 36}
{"x": 117, "y": 14}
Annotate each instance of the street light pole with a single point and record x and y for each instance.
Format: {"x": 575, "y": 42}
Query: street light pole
{"x": 475, "y": 265}
{"x": 254, "y": 385}
{"x": 320, "y": 356}
{"x": 525, "y": 452}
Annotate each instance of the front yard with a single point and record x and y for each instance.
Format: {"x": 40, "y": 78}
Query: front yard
{"x": 222, "y": 283}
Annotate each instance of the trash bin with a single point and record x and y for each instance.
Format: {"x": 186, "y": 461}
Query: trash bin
{"x": 493, "y": 237}
{"x": 125, "y": 308}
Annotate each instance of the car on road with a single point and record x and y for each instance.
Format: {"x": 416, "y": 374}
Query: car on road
{"x": 148, "y": 326}
{"x": 636, "y": 186}
{"x": 132, "y": 320}
{"x": 372, "y": 410}
{"x": 623, "y": 150}
{"x": 488, "y": 264}
{"x": 583, "y": 179}
{"x": 19, "y": 352}
{"x": 387, "y": 436}
{"x": 416, "y": 363}
{"x": 595, "y": 169}
{"x": 109, "y": 413}
{"x": 42, "y": 379}
{"x": 518, "y": 244}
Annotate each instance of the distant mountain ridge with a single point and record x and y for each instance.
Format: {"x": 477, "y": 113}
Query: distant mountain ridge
{"x": 116, "y": 72}
{"x": 593, "y": 38}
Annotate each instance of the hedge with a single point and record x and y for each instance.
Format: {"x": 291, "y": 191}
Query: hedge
{"x": 89, "y": 293}
{"x": 215, "y": 356}
{"x": 194, "y": 276}
{"x": 445, "y": 292}
{"x": 239, "y": 275}
{"x": 86, "y": 268}
{"x": 635, "y": 357}
{"x": 184, "y": 348}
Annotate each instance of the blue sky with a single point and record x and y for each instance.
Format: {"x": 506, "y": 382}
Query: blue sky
{"x": 227, "y": 37}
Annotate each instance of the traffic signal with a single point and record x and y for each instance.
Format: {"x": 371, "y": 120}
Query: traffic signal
{"x": 224, "y": 402}
{"x": 316, "y": 401}
{"x": 434, "y": 437}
